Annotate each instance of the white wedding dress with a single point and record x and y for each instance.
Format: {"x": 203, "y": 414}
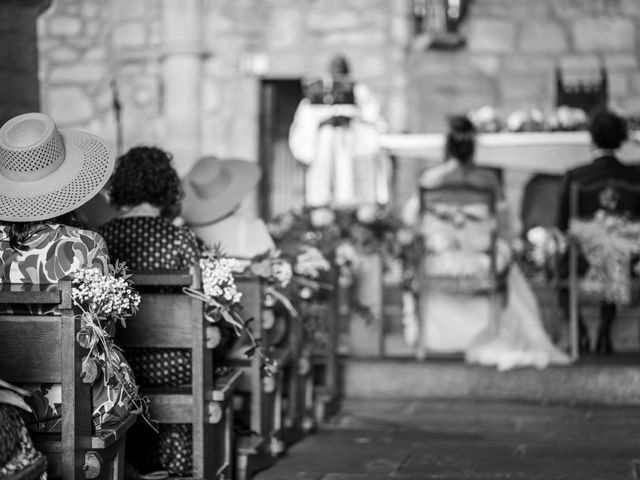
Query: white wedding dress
{"x": 519, "y": 339}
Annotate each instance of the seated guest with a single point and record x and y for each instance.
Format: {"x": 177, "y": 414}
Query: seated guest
{"x": 608, "y": 132}
{"x": 214, "y": 190}
{"x": 146, "y": 189}
{"x": 45, "y": 174}
{"x": 461, "y": 322}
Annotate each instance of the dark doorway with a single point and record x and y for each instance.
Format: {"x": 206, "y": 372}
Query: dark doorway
{"x": 282, "y": 183}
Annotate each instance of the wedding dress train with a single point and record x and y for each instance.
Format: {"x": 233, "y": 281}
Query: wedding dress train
{"x": 519, "y": 338}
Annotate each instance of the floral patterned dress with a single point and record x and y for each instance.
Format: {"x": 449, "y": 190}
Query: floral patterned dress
{"x": 53, "y": 252}
{"x": 147, "y": 243}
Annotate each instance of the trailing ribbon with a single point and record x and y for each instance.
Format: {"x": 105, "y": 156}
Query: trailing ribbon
{"x": 229, "y": 317}
{"x": 304, "y": 281}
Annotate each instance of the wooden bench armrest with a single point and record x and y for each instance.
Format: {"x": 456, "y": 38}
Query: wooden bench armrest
{"x": 225, "y": 385}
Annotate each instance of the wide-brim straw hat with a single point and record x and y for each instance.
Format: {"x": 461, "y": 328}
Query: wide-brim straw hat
{"x": 213, "y": 188}
{"x": 46, "y": 172}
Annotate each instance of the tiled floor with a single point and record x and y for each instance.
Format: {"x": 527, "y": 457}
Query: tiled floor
{"x": 467, "y": 439}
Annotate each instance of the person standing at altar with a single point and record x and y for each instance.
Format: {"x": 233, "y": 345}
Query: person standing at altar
{"x": 608, "y": 132}
{"x": 461, "y": 322}
{"x": 335, "y": 135}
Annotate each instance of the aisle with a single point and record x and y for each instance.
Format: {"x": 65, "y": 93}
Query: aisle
{"x": 466, "y": 439}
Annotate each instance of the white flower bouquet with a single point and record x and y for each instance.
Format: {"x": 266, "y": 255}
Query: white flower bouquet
{"x": 103, "y": 300}
{"x": 220, "y": 294}
{"x": 608, "y": 242}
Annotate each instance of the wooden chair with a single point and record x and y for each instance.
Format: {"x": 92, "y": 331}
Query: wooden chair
{"x": 257, "y": 448}
{"x": 454, "y": 206}
{"x": 168, "y": 318}
{"x": 585, "y": 199}
{"x": 43, "y": 349}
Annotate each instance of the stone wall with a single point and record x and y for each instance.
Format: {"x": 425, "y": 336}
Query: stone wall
{"x": 513, "y": 48}
{"x": 91, "y": 48}
{"x": 86, "y": 44}
{"x": 19, "y": 57}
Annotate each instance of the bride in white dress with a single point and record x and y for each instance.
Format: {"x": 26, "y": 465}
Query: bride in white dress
{"x": 455, "y": 323}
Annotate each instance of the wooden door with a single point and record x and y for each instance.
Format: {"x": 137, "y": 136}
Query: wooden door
{"x": 282, "y": 183}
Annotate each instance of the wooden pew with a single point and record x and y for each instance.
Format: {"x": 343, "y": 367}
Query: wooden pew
{"x": 172, "y": 319}
{"x": 299, "y": 419}
{"x": 322, "y": 314}
{"x": 265, "y": 393}
{"x": 43, "y": 349}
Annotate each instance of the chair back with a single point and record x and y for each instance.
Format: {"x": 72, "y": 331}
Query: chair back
{"x": 169, "y": 318}
{"x": 459, "y": 227}
{"x": 613, "y": 194}
{"x": 43, "y": 349}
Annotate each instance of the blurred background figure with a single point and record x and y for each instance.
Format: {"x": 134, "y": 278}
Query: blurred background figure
{"x": 335, "y": 134}
{"x": 608, "y": 132}
{"x": 214, "y": 190}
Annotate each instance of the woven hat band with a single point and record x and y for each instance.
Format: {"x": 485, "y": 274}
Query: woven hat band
{"x": 30, "y": 148}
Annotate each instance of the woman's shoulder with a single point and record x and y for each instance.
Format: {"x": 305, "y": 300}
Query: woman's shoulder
{"x": 80, "y": 234}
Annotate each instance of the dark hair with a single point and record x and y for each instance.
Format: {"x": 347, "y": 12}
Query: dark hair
{"x": 145, "y": 174}
{"x": 461, "y": 139}
{"x": 19, "y": 232}
{"x": 339, "y": 65}
{"x": 607, "y": 129}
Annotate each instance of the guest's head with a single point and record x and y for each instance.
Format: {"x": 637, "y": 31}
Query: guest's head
{"x": 146, "y": 175}
{"x": 608, "y": 130}
{"x": 339, "y": 66}
{"x": 215, "y": 188}
{"x": 461, "y": 139}
{"x": 46, "y": 174}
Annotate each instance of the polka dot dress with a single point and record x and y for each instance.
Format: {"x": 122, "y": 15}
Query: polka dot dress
{"x": 148, "y": 243}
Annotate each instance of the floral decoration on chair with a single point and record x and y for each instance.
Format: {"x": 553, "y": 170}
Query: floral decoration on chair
{"x": 222, "y": 298}
{"x": 104, "y": 300}
{"x": 609, "y": 241}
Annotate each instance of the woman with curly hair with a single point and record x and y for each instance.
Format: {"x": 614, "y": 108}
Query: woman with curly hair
{"x": 147, "y": 191}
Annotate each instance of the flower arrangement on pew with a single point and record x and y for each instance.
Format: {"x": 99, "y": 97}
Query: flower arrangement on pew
{"x": 277, "y": 273}
{"x": 609, "y": 242}
{"x": 538, "y": 254}
{"x": 104, "y": 300}
{"x": 221, "y": 295}
{"x": 344, "y": 236}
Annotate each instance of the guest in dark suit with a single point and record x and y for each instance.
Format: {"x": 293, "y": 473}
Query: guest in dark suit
{"x": 608, "y": 132}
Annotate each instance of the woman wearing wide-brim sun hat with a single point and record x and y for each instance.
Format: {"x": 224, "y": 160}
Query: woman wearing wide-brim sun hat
{"x": 45, "y": 174}
{"x": 213, "y": 192}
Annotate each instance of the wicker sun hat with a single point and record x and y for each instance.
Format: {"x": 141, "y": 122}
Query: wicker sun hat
{"x": 46, "y": 172}
{"x": 213, "y": 188}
